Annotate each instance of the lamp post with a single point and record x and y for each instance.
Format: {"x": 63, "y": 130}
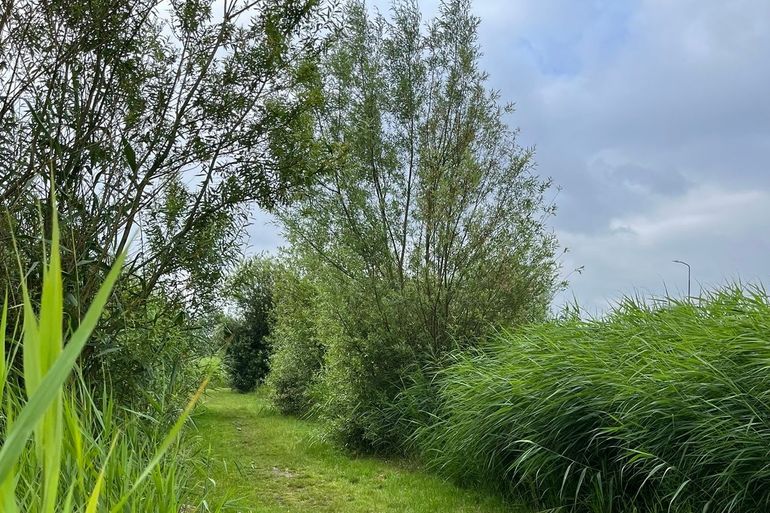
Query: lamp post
{"x": 689, "y": 272}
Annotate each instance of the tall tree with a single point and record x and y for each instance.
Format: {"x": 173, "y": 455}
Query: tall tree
{"x": 158, "y": 123}
{"x": 431, "y": 227}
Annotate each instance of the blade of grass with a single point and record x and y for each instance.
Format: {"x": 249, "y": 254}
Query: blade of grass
{"x": 50, "y": 385}
{"x": 93, "y": 500}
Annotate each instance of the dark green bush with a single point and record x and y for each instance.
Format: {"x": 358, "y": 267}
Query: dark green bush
{"x": 248, "y": 348}
{"x": 661, "y": 408}
{"x": 247, "y": 356}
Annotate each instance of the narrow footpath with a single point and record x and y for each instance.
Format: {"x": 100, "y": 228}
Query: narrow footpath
{"x": 272, "y": 463}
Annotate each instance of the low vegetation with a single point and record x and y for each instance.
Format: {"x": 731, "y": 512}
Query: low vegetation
{"x": 212, "y": 368}
{"x": 653, "y": 408}
{"x": 272, "y": 463}
{"x": 62, "y": 451}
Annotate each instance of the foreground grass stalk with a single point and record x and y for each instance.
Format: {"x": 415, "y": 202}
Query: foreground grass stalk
{"x": 60, "y": 452}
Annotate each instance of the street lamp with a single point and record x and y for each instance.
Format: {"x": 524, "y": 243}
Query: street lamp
{"x": 689, "y": 271}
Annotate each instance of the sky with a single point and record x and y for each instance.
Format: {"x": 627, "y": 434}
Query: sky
{"x": 653, "y": 118}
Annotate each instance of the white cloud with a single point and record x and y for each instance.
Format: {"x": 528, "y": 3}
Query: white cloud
{"x": 703, "y": 211}
{"x": 722, "y": 234}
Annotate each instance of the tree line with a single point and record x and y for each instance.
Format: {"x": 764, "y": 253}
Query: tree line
{"x": 416, "y": 222}
{"x": 426, "y": 232}
{"x": 158, "y": 124}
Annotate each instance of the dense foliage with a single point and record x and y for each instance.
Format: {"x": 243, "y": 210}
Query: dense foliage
{"x": 62, "y": 451}
{"x": 428, "y": 230}
{"x": 298, "y": 349}
{"x": 660, "y": 408}
{"x": 160, "y": 124}
{"x": 247, "y": 343}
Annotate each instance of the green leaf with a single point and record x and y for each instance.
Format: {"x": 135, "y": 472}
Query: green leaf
{"x": 130, "y": 155}
{"x": 51, "y": 384}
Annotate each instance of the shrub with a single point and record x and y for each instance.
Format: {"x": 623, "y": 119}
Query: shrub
{"x": 149, "y": 363}
{"x": 654, "y": 408}
{"x": 360, "y": 379}
{"x": 250, "y": 288}
{"x": 247, "y": 356}
{"x": 297, "y": 351}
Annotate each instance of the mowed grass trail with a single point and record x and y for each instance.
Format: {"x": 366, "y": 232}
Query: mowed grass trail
{"x": 272, "y": 463}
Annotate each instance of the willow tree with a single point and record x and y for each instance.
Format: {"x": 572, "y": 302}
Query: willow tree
{"x": 431, "y": 228}
{"x": 159, "y": 124}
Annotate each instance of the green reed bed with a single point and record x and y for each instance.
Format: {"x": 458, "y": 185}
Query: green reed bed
{"x": 62, "y": 452}
{"x": 653, "y": 408}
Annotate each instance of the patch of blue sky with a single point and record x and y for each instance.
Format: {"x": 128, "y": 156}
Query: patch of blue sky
{"x": 573, "y": 35}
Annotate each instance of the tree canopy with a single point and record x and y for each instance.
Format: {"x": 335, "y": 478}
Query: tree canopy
{"x": 159, "y": 124}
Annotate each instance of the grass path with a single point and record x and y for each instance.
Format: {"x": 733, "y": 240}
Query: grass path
{"x": 273, "y": 463}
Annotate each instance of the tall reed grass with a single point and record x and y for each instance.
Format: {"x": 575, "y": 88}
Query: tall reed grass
{"x": 61, "y": 451}
{"x": 663, "y": 408}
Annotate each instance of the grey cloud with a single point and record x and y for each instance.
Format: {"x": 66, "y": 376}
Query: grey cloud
{"x": 709, "y": 228}
{"x": 675, "y": 108}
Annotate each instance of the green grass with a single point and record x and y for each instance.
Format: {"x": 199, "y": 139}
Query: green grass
{"x": 652, "y": 409}
{"x": 60, "y": 450}
{"x": 273, "y": 463}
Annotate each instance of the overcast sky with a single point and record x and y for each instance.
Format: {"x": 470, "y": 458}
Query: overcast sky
{"x": 653, "y": 116}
